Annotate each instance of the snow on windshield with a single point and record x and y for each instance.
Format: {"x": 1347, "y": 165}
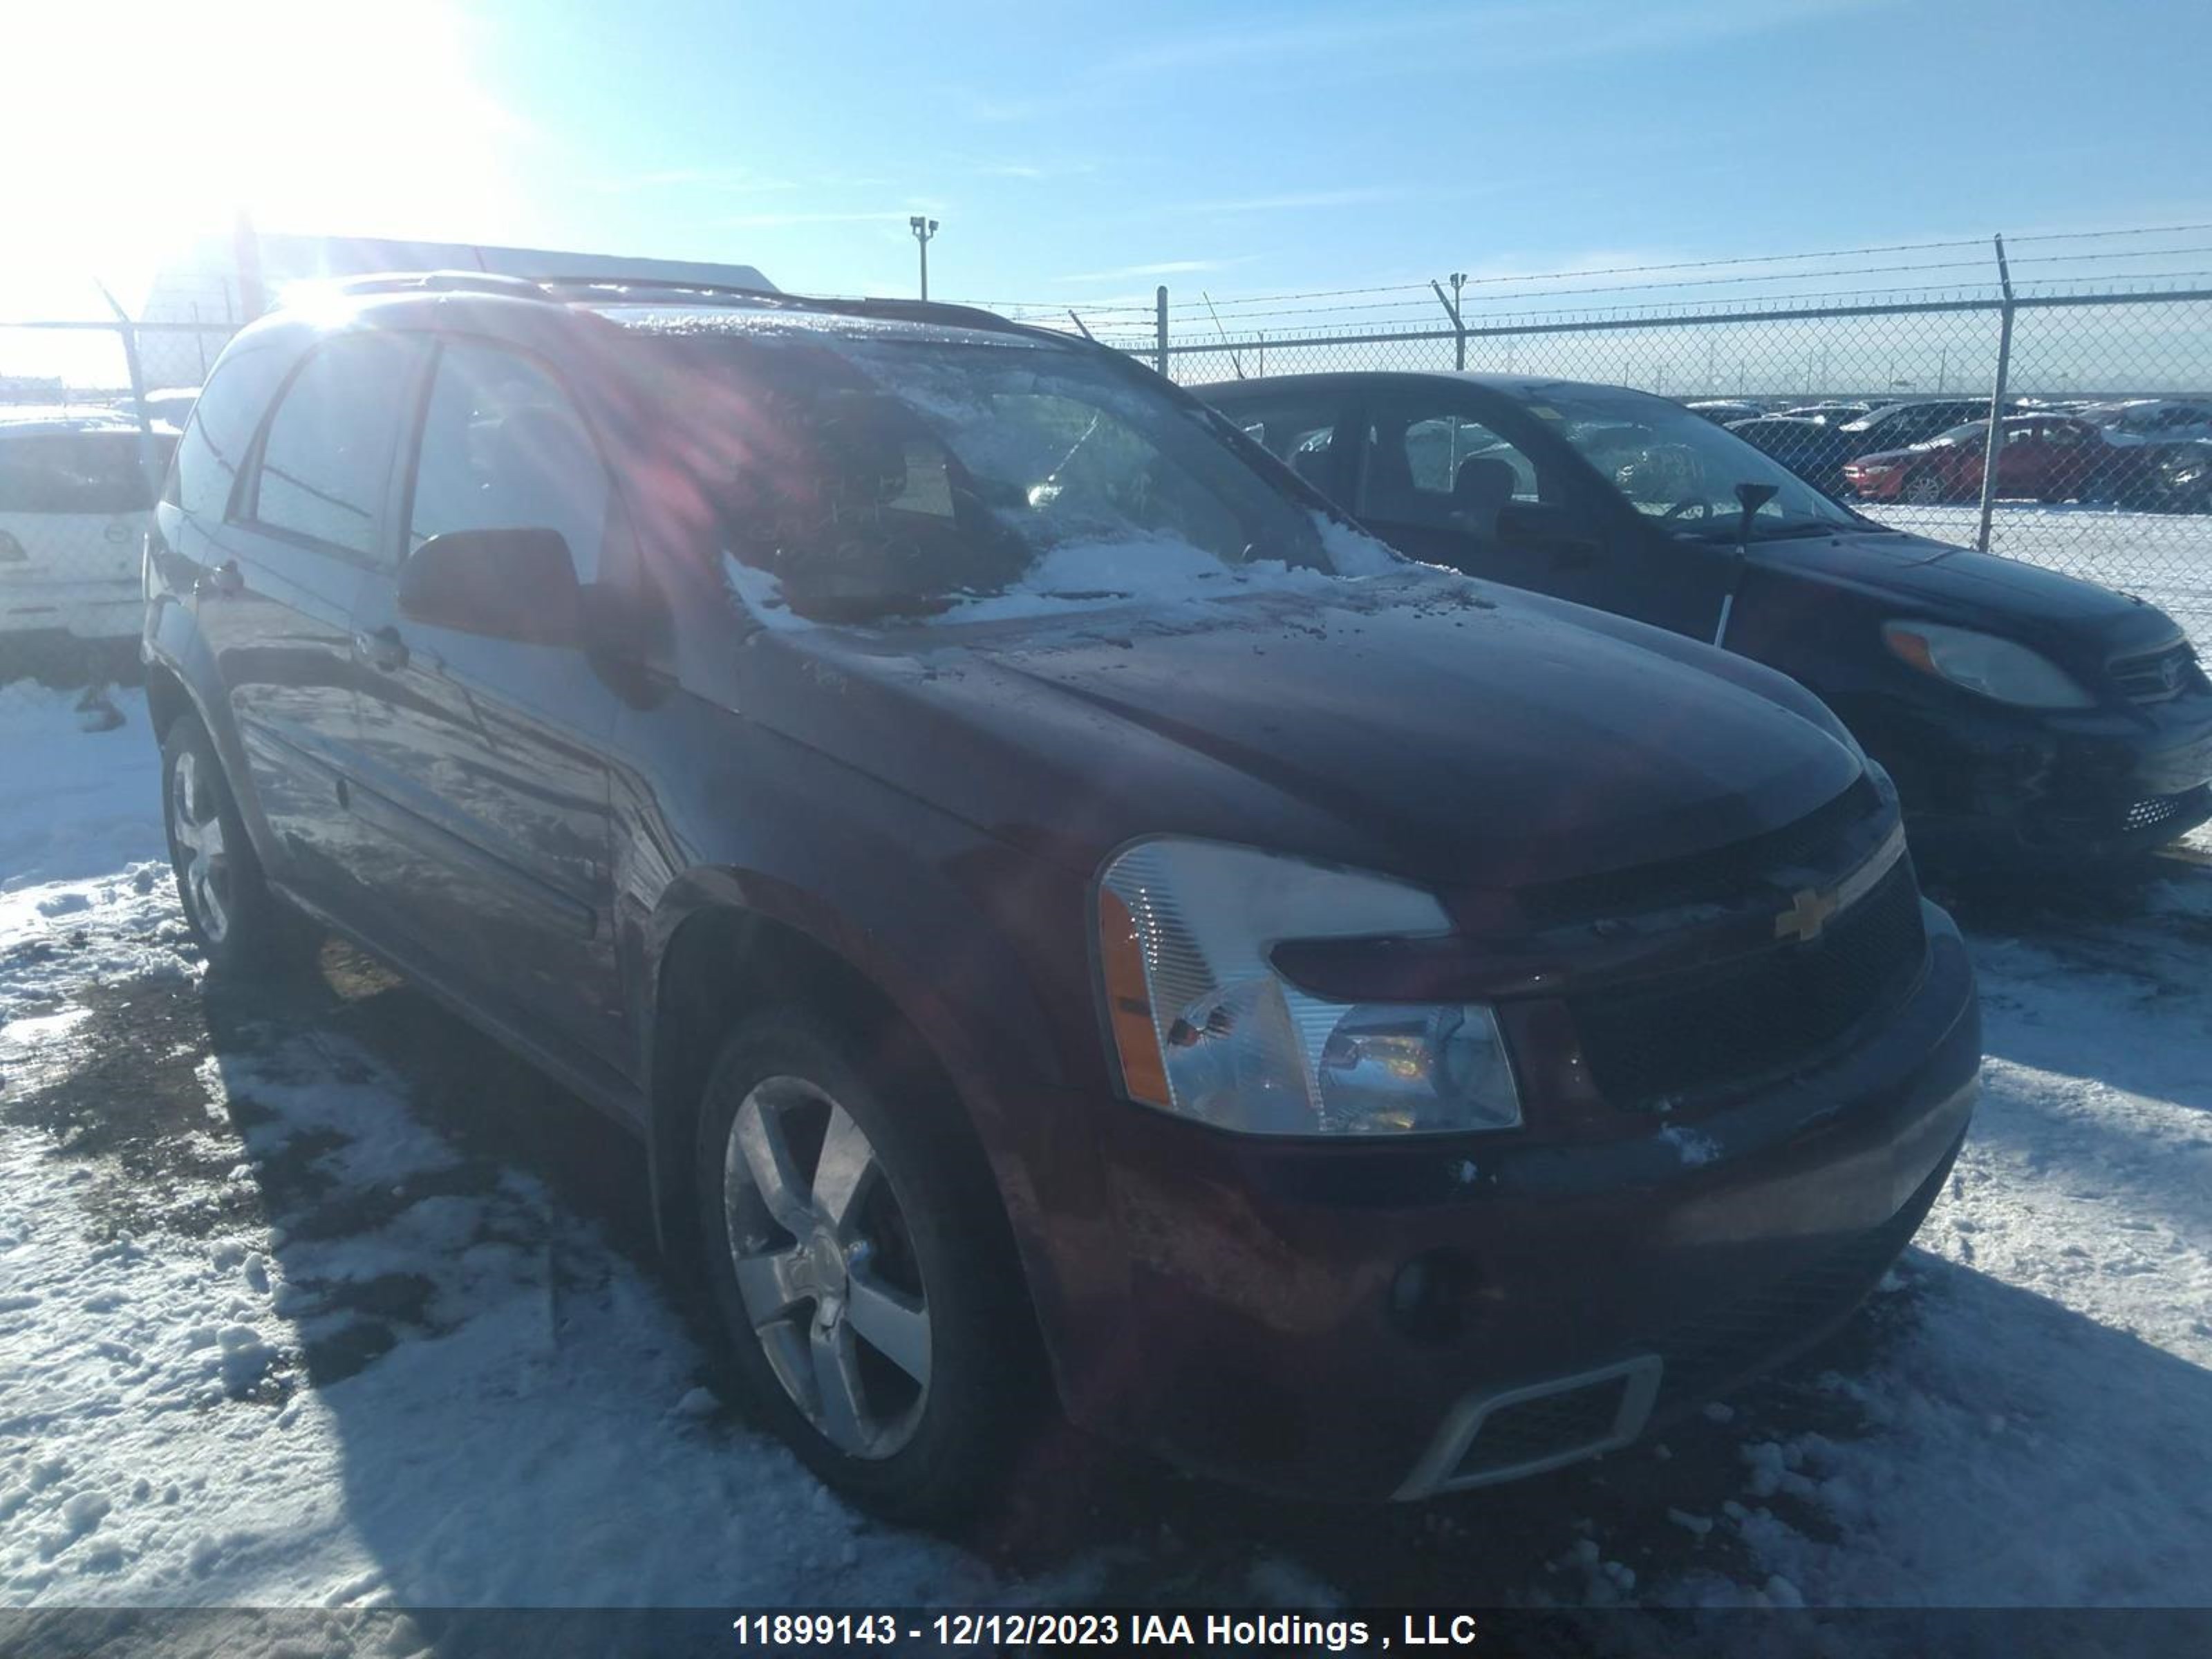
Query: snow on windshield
{"x": 981, "y": 478}
{"x": 1156, "y": 572}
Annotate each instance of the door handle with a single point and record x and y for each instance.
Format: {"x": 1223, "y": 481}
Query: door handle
{"x": 382, "y": 649}
{"x": 224, "y": 580}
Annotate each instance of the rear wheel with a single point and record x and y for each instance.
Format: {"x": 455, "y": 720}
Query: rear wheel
{"x": 226, "y": 903}
{"x": 875, "y": 1319}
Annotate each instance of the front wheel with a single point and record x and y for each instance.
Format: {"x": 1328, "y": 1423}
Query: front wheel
{"x": 226, "y": 903}
{"x": 873, "y": 1311}
{"x": 1924, "y": 489}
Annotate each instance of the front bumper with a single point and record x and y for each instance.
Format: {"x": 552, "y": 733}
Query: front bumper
{"x": 1355, "y": 1322}
{"x": 2008, "y": 787}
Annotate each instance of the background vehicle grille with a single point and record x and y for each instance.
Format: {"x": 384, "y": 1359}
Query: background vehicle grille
{"x": 2149, "y": 813}
{"x": 2158, "y": 676}
{"x": 1649, "y": 1044}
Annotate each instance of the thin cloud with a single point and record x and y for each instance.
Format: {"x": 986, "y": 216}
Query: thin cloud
{"x": 1160, "y": 268}
{"x": 883, "y": 217}
{"x": 1493, "y": 36}
{"x": 1459, "y": 40}
{"x": 1362, "y": 196}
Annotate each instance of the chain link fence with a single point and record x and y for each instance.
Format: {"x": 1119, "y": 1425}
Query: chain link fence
{"x": 2099, "y": 466}
{"x": 89, "y": 410}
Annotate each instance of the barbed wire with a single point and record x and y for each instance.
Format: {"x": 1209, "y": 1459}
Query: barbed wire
{"x": 1250, "y": 307}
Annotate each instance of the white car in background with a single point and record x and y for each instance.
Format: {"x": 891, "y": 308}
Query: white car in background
{"x": 2150, "y": 420}
{"x": 75, "y": 495}
{"x": 170, "y": 406}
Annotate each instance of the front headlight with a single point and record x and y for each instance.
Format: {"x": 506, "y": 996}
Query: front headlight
{"x": 1983, "y": 663}
{"x": 1204, "y": 1027}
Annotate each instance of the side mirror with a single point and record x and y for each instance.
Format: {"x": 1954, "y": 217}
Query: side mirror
{"x": 517, "y": 585}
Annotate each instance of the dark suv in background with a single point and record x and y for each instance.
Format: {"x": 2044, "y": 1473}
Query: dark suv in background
{"x": 1056, "y": 901}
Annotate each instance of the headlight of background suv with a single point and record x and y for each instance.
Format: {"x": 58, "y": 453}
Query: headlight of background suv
{"x": 1994, "y": 667}
{"x": 1206, "y": 1028}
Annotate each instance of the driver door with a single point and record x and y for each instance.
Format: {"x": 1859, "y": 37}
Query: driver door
{"x": 1448, "y": 476}
{"x": 483, "y": 761}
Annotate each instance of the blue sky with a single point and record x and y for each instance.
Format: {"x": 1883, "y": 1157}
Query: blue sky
{"x": 1079, "y": 155}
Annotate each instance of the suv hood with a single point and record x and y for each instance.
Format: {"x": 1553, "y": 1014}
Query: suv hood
{"x": 2007, "y": 596}
{"x": 1415, "y": 724}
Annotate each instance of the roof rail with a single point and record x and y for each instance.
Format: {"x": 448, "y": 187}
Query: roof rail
{"x": 440, "y": 282}
{"x": 569, "y": 287}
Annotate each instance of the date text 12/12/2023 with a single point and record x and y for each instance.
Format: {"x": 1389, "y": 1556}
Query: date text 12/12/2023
{"x": 1245, "y": 1631}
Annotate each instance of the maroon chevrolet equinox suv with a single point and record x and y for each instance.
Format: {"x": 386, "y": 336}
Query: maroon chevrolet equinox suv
{"x": 1069, "y": 915}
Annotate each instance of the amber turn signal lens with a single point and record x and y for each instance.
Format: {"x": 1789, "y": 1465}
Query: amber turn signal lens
{"x": 1128, "y": 1004}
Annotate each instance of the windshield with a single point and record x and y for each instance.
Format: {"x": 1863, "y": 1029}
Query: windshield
{"x": 1672, "y": 464}
{"x": 910, "y": 474}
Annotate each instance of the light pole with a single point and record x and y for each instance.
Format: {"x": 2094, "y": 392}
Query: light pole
{"x": 923, "y": 229}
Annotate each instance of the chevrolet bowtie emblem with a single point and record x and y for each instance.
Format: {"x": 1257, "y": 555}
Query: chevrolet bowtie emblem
{"x": 1807, "y": 913}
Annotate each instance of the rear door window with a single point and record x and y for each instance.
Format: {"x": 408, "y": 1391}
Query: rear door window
{"x": 1442, "y": 468}
{"x": 326, "y": 462}
{"x": 504, "y": 448}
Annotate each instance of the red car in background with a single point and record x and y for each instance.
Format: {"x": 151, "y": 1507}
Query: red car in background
{"x": 2052, "y": 458}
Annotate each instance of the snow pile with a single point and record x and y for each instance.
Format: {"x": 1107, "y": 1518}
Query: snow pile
{"x": 2039, "y": 1434}
{"x": 359, "y": 1368}
{"x": 274, "y": 1337}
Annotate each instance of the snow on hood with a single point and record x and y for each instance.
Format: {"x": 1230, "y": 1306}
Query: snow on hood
{"x": 1160, "y": 572}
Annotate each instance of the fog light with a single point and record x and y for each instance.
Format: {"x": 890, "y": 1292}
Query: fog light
{"x": 1429, "y": 1295}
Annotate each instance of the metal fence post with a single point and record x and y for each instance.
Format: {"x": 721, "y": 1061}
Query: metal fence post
{"x": 245, "y": 249}
{"x": 1995, "y": 440}
{"x": 1451, "y": 310}
{"x": 1160, "y": 328}
{"x": 147, "y": 462}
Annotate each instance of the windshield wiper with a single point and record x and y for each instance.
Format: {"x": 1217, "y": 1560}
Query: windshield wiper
{"x": 1793, "y": 532}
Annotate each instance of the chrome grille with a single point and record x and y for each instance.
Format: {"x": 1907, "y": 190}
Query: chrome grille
{"x": 2158, "y": 676}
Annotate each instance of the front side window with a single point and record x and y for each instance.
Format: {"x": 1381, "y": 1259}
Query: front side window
{"x": 1675, "y": 467}
{"x": 876, "y": 475}
{"x": 327, "y": 459}
{"x": 503, "y": 447}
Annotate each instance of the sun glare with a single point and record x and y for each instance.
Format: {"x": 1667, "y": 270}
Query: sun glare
{"x": 135, "y": 129}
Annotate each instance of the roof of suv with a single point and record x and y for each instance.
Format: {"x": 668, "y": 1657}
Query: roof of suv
{"x": 662, "y": 306}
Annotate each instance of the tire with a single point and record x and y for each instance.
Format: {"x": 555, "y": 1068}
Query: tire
{"x": 1923, "y": 490}
{"x": 914, "y": 1410}
{"x": 219, "y": 885}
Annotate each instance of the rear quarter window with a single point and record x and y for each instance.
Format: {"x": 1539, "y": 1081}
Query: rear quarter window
{"x": 221, "y": 427}
{"x": 75, "y": 472}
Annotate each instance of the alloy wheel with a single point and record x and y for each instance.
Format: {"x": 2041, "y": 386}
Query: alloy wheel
{"x": 196, "y": 832}
{"x": 826, "y": 1269}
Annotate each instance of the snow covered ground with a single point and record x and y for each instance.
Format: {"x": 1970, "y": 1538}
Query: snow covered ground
{"x": 315, "y": 1299}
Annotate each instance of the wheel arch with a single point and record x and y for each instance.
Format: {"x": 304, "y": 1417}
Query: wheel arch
{"x": 166, "y": 698}
{"x": 724, "y": 956}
